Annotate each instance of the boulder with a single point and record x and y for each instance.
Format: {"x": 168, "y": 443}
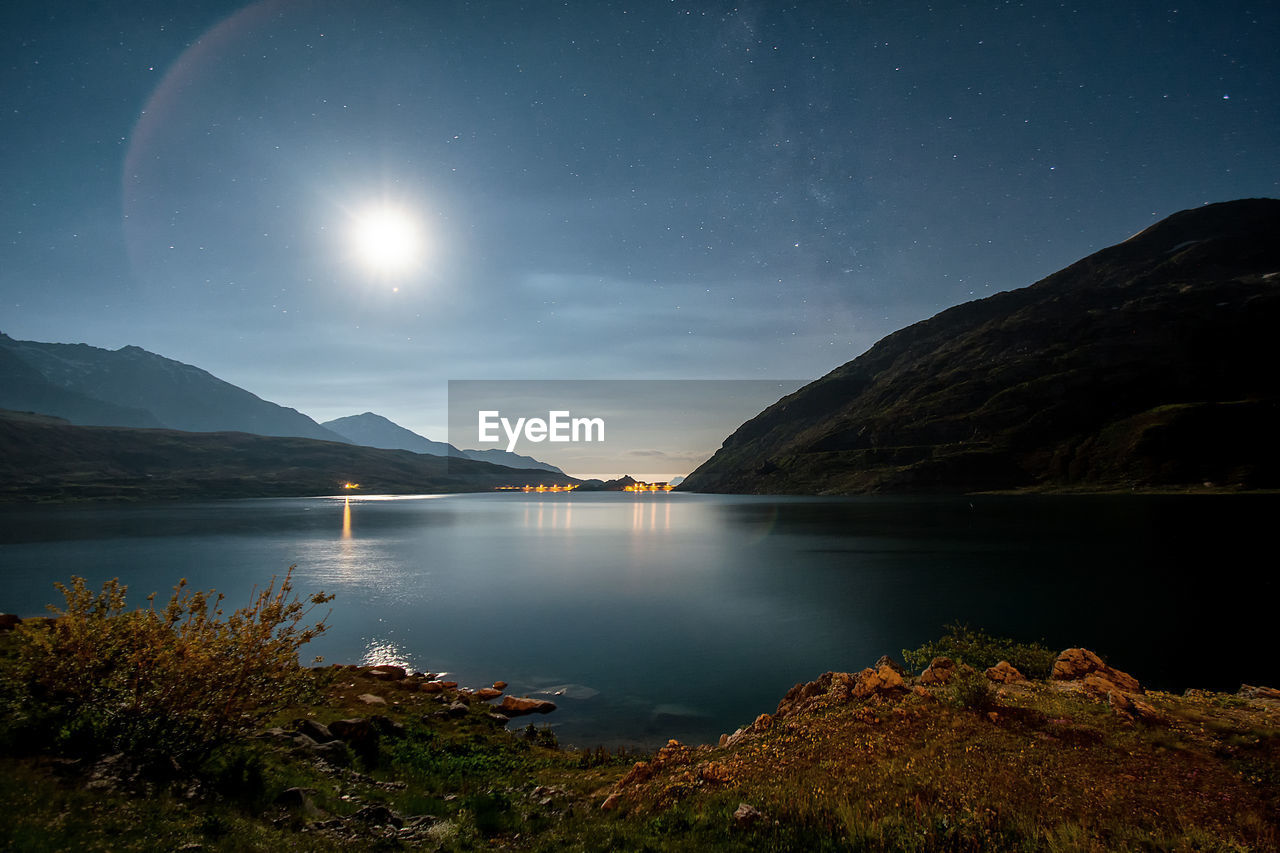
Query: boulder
{"x": 512, "y": 706}
{"x": 1131, "y": 709}
{"x": 386, "y": 726}
{"x": 298, "y": 799}
{"x": 371, "y": 699}
{"x": 9, "y": 621}
{"x": 885, "y": 660}
{"x": 747, "y": 815}
{"x": 318, "y": 732}
{"x": 484, "y": 694}
{"x": 883, "y": 679}
{"x": 1004, "y": 673}
{"x": 939, "y": 671}
{"x": 499, "y": 685}
{"x": 386, "y": 673}
{"x": 378, "y": 815}
{"x": 456, "y": 709}
{"x": 431, "y": 687}
{"x": 353, "y": 729}
{"x": 1096, "y": 677}
{"x": 1249, "y": 691}
{"x": 804, "y": 696}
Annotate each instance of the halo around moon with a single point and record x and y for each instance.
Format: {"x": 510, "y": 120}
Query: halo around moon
{"x": 387, "y": 240}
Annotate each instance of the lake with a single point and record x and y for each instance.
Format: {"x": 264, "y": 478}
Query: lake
{"x": 648, "y": 616}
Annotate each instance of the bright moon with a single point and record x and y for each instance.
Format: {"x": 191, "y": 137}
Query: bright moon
{"x": 387, "y": 240}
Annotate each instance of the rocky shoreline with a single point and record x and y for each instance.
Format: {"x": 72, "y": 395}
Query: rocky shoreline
{"x": 386, "y": 757}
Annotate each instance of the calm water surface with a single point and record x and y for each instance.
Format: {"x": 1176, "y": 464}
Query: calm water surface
{"x": 671, "y": 615}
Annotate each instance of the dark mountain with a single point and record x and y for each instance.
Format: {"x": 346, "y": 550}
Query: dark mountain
{"x": 373, "y": 430}
{"x": 23, "y": 388}
{"x": 45, "y": 458}
{"x": 1151, "y": 364}
{"x": 135, "y": 388}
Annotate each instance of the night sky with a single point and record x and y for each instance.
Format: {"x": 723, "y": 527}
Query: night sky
{"x": 594, "y": 189}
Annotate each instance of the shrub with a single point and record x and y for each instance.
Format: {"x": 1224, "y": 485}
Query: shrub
{"x": 171, "y": 682}
{"x": 980, "y": 651}
{"x": 971, "y": 690}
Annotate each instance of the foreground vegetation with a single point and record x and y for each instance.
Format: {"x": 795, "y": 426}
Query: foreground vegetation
{"x": 186, "y": 728}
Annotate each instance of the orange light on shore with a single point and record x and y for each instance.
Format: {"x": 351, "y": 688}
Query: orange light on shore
{"x": 350, "y": 485}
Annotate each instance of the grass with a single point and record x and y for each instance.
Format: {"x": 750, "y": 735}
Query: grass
{"x": 1022, "y": 767}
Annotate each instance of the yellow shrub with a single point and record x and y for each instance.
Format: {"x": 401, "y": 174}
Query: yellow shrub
{"x": 174, "y": 680}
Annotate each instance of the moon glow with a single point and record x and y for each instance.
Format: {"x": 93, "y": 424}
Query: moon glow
{"x": 387, "y": 240}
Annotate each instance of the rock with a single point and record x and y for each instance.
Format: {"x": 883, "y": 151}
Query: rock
{"x": 351, "y": 729}
{"x": 318, "y": 732}
{"x": 113, "y": 773}
{"x": 714, "y": 773}
{"x": 747, "y": 815}
{"x": 386, "y": 726}
{"x": 610, "y": 802}
{"x": 1248, "y": 691}
{"x": 386, "y": 673}
{"x": 881, "y": 680}
{"x": 334, "y": 752}
{"x": 1131, "y": 709}
{"x": 9, "y": 621}
{"x": 1099, "y": 685}
{"x": 939, "y": 671}
{"x": 1095, "y": 676}
{"x": 456, "y": 709}
{"x": 358, "y": 733}
{"x": 512, "y": 706}
{"x": 673, "y": 753}
{"x": 298, "y": 799}
{"x": 378, "y": 815}
{"x": 484, "y": 694}
{"x": 885, "y": 660}
{"x": 304, "y": 741}
{"x": 804, "y": 696}
{"x": 431, "y": 687}
{"x": 499, "y": 719}
{"x": 1004, "y": 673}
{"x": 371, "y": 699}
{"x": 499, "y": 685}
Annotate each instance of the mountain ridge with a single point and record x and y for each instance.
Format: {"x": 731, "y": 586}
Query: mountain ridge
{"x": 1090, "y": 377}
{"x": 49, "y": 459}
{"x": 132, "y": 387}
{"x": 373, "y": 430}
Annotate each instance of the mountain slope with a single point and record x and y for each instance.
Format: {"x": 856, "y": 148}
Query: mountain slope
{"x": 43, "y": 458}
{"x": 24, "y": 389}
{"x": 132, "y": 387}
{"x": 373, "y": 430}
{"x": 1148, "y": 364}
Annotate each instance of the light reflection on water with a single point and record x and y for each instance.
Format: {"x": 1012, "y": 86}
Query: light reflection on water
{"x": 384, "y": 653}
{"x": 648, "y": 616}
